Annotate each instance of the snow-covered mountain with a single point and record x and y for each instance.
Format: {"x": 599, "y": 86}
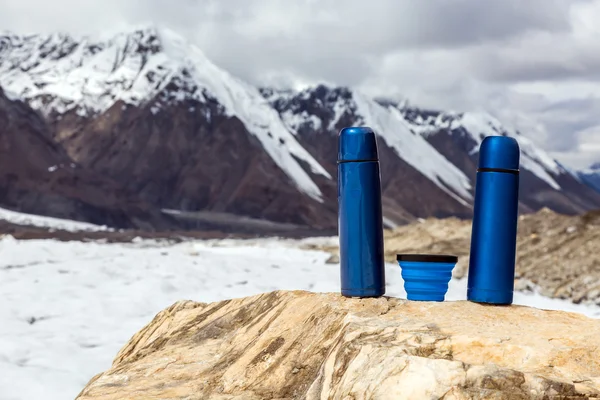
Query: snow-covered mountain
{"x": 442, "y": 146}
{"x": 591, "y": 176}
{"x": 151, "y": 111}
{"x": 59, "y": 73}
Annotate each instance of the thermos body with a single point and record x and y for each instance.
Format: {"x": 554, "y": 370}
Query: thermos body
{"x": 494, "y": 238}
{"x": 360, "y": 229}
{"x": 495, "y": 216}
{"x": 360, "y": 222}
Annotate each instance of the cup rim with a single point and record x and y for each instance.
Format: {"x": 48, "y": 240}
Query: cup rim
{"x": 435, "y": 258}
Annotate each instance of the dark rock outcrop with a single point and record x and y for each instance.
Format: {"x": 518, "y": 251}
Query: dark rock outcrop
{"x": 37, "y": 176}
{"x": 191, "y": 156}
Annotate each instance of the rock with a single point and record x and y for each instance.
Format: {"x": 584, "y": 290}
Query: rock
{"x": 524, "y": 285}
{"x": 556, "y": 254}
{"x": 333, "y": 259}
{"x": 432, "y": 236}
{"x": 301, "y": 345}
{"x": 37, "y": 176}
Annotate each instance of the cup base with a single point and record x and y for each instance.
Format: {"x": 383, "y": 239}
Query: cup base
{"x": 425, "y": 297}
{"x": 490, "y": 296}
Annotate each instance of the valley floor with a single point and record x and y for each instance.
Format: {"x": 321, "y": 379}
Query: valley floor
{"x": 68, "y": 307}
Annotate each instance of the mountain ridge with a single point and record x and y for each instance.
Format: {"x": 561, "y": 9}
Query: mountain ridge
{"x": 150, "y": 110}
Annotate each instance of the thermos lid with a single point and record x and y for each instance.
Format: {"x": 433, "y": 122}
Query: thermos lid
{"x": 501, "y": 152}
{"x": 357, "y": 144}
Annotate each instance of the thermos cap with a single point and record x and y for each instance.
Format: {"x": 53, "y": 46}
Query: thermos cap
{"x": 500, "y": 152}
{"x": 357, "y": 144}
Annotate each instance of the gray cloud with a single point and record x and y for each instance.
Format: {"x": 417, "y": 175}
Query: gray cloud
{"x": 375, "y": 26}
{"x": 506, "y": 56}
{"x": 539, "y": 57}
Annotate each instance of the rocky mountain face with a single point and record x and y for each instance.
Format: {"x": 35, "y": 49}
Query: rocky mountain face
{"x": 169, "y": 125}
{"x": 410, "y": 187}
{"x": 301, "y": 345}
{"x": 151, "y": 112}
{"x": 429, "y": 158}
{"x": 37, "y": 176}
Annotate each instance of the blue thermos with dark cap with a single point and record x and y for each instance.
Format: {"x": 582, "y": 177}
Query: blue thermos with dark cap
{"x": 495, "y": 214}
{"x": 360, "y": 221}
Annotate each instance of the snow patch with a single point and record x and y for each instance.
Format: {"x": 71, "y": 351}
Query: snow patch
{"x": 389, "y": 223}
{"x": 10, "y": 95}
{"x": 339, "y": 108}
{"x": 48, "y": 222}
{"x": 533, "y": 159}
{"x": 294, "y": 121}
{"x": 391, "y": 126}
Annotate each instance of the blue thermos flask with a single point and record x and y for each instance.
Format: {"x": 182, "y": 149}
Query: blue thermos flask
{"x": 360, "y": 223}
{"x": 495, "y": 214}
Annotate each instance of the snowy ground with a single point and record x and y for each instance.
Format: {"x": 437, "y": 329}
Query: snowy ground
{"x": 68, "y": 307}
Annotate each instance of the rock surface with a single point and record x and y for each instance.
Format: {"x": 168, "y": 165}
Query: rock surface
{"x": 557, "y": 255}
{"x": 301, "y": 345}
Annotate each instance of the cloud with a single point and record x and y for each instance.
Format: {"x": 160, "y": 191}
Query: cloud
{"x": 521, "y": 60}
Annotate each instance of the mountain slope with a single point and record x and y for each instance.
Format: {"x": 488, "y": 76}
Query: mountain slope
{"x": 543, "y": 182}
{"x": 37, "y": 176}
{"x": 149, "y": 65}
{"x": 156, "y": 115}
{"x": 441, "y": 146}
{"x": 417, "y": 181}
{"x": 152, "y": 112}
{"x": 591, "y": 176}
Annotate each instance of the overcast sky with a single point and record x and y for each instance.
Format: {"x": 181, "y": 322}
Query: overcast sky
{"x": 534, "y": 63}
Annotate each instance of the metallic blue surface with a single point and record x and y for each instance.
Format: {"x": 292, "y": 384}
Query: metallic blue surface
{"x": 494, "y": 234}
{"x": 360, "y": 220}
{"x": 499, "y": 152}
{"x": 426, "y": 281}
{"x": 357, "y": 144}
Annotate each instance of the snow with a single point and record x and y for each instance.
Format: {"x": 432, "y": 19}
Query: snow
{"x": 478, "y": 125}
{"x": 68, "y": 307}
{"x": 294, "y": 121}
{"x": 413, "y": 148}
{"x": 339, "y": 108}
{"x": 48, "y": 222}
{"x": 590, "y": 172}
{"x": 90, "y": 74}
{"x": 589, "y": 176}
{"x": 10, "y": 95}
{"x": 537, "y": 162}
{"x": 533, "y": 159}
{"x": 295, "y": 117}
{"x": 389, "y": 223}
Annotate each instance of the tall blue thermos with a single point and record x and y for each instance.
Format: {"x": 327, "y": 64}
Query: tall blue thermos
{"x": 495, "y": 214}
{"x": 360, "y": 220}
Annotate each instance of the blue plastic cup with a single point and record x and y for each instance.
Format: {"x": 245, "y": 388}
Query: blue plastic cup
{"x": 426, "y": 276}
